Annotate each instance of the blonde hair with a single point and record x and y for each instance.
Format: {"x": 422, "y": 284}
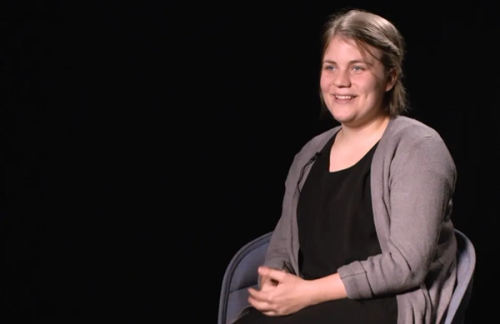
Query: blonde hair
{"x": 370, "y": 29}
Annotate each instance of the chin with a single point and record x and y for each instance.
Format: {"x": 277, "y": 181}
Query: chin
{"x": 343, "y": 118}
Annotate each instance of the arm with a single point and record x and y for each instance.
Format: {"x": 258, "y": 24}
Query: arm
{"x": 324, "y": 289}
{"x": 277, "y": 255}
{"x": 279, "y": 249}
{"x": 421, "y": 186}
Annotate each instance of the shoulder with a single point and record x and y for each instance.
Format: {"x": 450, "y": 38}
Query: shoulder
{"x": 408, "y": 139}
{"x": 405, "y": 129}
{"x": 404, "y": 134}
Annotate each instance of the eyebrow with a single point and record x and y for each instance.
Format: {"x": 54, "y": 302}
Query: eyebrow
{"x": 350, "y": 62}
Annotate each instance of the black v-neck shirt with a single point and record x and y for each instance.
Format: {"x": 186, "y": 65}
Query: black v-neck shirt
{"x": 336, "y": 227}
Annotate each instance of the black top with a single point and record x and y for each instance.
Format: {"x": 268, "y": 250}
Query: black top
{"x": 336, "y": 227}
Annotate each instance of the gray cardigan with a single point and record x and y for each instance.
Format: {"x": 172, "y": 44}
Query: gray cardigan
{"x": 412, "y": 182}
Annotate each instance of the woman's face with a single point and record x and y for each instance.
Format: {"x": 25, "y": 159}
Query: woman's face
{"x": 354, "y": 82}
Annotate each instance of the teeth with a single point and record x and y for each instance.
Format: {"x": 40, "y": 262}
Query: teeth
{"x": 344, "y": 97}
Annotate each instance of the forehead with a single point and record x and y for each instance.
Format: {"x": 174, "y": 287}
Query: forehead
{"x": 341, "y": 47}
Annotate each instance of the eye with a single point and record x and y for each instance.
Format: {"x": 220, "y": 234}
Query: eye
{"x": 329, "y": 67}
{"x": 358, "y": 68}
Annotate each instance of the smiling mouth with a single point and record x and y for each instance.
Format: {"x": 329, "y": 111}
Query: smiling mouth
{"x": 345, "y": 97}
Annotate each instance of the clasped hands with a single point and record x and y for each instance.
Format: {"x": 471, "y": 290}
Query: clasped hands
{"x": 281, "y": 293}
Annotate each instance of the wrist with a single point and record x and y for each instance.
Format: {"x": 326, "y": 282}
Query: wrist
{"x": 315, "y": 292}
{"x": 327, "y": 288}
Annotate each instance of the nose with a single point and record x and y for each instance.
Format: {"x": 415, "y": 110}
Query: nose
{"x": 341, "y": 79}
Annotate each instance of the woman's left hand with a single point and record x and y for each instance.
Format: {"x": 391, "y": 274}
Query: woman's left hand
{"x": 290, "y": 294}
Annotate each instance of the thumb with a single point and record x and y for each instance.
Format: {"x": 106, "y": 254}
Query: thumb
{"x": 273, "y": 274}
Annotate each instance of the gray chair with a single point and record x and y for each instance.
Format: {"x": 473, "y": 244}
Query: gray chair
{"x": 466, "y": 263}
{"x": 241, "y": 274}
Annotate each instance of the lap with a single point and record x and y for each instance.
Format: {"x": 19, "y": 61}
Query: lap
{"x": 344, "y": 311}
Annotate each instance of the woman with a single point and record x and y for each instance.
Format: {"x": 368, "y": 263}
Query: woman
{"x": 365, "y": 235}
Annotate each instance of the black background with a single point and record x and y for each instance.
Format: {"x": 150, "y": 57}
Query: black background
{"x": 144, "y": 142}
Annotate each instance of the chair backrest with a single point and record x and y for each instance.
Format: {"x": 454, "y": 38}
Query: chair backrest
{"x": 466, "y": 263}
{"x": 241, "y": 273}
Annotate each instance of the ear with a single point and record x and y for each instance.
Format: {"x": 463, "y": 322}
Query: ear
{"x": 392, "y": 76}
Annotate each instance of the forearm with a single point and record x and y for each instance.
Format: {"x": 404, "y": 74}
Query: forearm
{"x": 325, "y": 289}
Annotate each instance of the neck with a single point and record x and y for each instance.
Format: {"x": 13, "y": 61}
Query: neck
{"x": 372, "y": 130}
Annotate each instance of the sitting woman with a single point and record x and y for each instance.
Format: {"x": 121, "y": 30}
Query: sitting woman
{"x": 365, "y": 234}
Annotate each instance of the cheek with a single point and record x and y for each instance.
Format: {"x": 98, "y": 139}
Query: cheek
{"x": 371, "y": 87}
{"x": 324, "y": 83}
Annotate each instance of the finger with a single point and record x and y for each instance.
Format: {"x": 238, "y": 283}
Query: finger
{"x": 261, "y": 306}
{"x": 268, "y": 286}
{"x": 258, "y": 295}
{"x": 273, "y": 274}
{"x": 264, "y": 278}
{"x": 266, "y": 281}
{"x": 263, "y": 267}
